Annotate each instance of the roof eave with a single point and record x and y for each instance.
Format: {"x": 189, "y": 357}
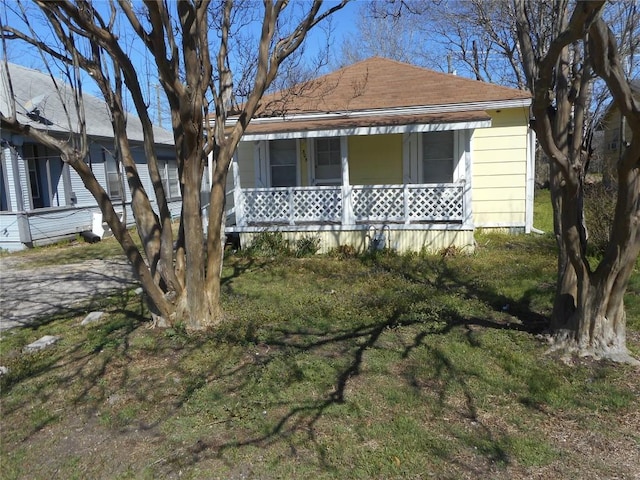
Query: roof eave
{"x": 419, "y": 110}
{"x": 367, "y": 130}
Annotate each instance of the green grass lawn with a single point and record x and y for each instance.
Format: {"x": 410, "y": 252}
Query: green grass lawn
{"x": 390, "y": 366}
{"x": 543, "y": 211}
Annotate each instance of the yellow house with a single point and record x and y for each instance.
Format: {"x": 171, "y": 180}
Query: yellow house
{"x": 383, "y": 154}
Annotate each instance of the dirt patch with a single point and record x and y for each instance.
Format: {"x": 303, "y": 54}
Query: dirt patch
{"x": 28, "y": 294}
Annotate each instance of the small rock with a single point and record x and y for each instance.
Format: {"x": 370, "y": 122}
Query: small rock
{"x": 92, "y": 317}
{"x": 3, "y": 371}
{"x": 138, "y": 291}
{"x": 43, "y": 342}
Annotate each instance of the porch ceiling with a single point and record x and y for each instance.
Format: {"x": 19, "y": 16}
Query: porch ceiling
{"x": 345, "y": 124}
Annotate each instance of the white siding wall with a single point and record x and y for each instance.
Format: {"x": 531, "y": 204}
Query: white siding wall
{"x": 23, "y": 179}
{"x": 83, "y": 196}
{"x": 10, "y": 179}
{"x": 145, "y": 178}
{"x": 10, "y": 232}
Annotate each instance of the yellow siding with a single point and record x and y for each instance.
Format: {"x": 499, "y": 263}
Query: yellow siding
{"x": 496, "y": 184}
{"x": 509, "y": 193}
{"x": 375, "y": 159}
{"x": 505, "y": 168}
{"x": 497, "y": 207}
{"x": 510, "y": 140}
{"x": 499, "y": 169}
{"x": 400, "y": 240}
{"x": 512, "y": 117}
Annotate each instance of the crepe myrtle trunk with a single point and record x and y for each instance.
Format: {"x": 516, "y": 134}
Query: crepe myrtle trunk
{"x": 216, "y": 236}
{"x": 597, "y": 327}
{"x": 589, "y": 316}
{"x": 564, "y": 304}
{"x": 199, "y": 305}
{"x": 192, "y": 307}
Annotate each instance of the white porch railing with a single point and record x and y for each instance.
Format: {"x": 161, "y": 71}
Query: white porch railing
{"x": 409, "y": 203}
{"x": 291, "y": 205}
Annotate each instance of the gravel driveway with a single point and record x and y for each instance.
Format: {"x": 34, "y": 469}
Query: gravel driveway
{"x": 29, "y": 293}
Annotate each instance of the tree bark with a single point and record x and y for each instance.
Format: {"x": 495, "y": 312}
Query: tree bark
{"x": 588, "y": 313}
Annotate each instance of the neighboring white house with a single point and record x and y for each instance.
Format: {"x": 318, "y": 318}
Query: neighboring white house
{"x": 616, "y": 135}
{"x": 383, "y": 153}
{"x": 42, "y": 200}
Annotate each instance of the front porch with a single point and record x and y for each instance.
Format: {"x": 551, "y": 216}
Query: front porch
{"x": 408, "y": 217}
{"x": 43, "y": 226}
{"x": 350, "y": 205}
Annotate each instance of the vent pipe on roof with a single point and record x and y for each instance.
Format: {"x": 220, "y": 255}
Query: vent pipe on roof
{"x": 450, "y": 69}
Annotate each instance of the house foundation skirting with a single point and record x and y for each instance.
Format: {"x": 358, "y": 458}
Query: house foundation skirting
{"x": 401, "y": 238}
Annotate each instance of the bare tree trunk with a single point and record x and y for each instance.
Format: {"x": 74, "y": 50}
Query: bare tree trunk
{"x": 215, "y": 246}
{"x": 588, "y": 312}
{"x": 566, "y": 284}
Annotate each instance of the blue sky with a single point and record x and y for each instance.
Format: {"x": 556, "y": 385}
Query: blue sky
{"x": 343, "y": 23}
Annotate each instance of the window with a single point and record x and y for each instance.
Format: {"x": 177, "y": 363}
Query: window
{"x": 169, "y": 176}
{"x": 34, "y": 182}
{"x": 4, "y": 196}
{"x": 283, "y": 159}
{"x": 328, "y": 161}
{"x": 114, "y": 185}
{"x": 45, "y": 176}
{"x": 437, "y": 157}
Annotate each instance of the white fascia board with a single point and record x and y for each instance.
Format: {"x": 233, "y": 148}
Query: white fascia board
{"x": 377, "y": 130}
{"x": 419, "y": 110}
{"x": 349, "y": 228}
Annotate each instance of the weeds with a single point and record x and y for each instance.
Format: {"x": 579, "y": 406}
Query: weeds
{"x": 307, "y": 246}
{"x": 599, "y": 206}
{"x": 274, "y": 244}
{"x": 341, "y": 366}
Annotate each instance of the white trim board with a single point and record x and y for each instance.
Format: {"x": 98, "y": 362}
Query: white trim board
{"x": 376, "y": 130}
{"x": 349, "y": 228}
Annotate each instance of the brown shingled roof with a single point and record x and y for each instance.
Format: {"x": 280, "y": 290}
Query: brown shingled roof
{"x": 380, "y": 83}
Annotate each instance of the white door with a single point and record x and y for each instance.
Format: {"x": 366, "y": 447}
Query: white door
{"x": 327, "y": 161}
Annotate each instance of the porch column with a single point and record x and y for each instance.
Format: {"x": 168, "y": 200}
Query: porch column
{"x": 15, "y": 176}
{"x": 237, "y": 192}
{"x": 467, "y": 212}
{"x": 8, "y": 184}
{"x": 347, "y": 201}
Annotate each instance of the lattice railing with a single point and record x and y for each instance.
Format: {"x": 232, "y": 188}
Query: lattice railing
{"x": 292, "y": 205}
{"x": 370, "y": 203}
{"x": 408, "y": 203}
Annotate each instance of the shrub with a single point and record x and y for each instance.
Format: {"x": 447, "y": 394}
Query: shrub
{"x": 269, "y": 244}
{"x": 307, "y": 246}
{"x": 599, "y": 205}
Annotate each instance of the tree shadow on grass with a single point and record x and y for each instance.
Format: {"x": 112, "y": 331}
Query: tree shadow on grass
{"x": 343, "y": 349}
{"x": 352, "y": 345}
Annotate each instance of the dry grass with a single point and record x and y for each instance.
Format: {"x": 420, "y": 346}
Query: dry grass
{"x": 380, "y": 367}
